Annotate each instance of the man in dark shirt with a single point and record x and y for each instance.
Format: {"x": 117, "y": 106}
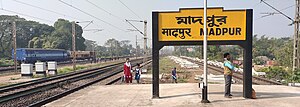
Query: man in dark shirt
{"x": 174, "y": 76}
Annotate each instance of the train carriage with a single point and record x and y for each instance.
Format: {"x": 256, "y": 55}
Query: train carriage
{"x": 30, "y": 55}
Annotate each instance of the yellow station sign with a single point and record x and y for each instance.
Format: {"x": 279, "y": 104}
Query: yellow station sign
{"x": 187, "y": 25}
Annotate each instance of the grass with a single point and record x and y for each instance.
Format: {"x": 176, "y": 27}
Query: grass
{"x": 215, "y": 83}
{"x": 166, "y": 66}
{"x": 68, "y": 69}
{"x": 38, "y": 76}
{"x": 181, "y": 80}
{"x": 5, "y": 62}
{"x": 4, "y": 84}
{"x": 12, "y": 78}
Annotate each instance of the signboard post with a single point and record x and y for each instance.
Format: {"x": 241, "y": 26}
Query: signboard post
{"x": 186, "y": 27}
{"x": 204, "y": 89}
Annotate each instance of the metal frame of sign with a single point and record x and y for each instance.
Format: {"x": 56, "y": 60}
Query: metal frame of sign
{"x": 245, "y": 44}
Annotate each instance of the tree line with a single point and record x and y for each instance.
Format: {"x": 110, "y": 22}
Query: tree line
{"x": 113, "y": 48}
{"x": 277, "y": 49}
{"x": 31, "y": 34}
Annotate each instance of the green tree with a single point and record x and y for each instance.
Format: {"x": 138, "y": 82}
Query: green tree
{"x": 295, "y": 76}
{"x": 284, "y": 54}
{"x": 90, "y": 45}
{"x": 113, "y": 47}
{"x": 26, "y": 31}
{"x": 126, "y": 48}
{"x": 275, "y": 72}
{"x": 63, "y": 33}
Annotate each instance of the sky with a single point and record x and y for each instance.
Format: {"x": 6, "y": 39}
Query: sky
{"x": 113, "y": 14}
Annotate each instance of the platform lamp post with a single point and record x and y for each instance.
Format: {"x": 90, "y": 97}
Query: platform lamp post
{"x": 204, "y": 88}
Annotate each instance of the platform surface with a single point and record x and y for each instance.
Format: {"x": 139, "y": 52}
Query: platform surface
{"x": 178, "y": 95}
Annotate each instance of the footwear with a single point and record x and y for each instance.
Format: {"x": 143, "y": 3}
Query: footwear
{"x": 230, "y": 95}
{"x": 227, "y": 96}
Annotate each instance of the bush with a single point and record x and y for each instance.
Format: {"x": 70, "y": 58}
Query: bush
{"x": 275, "y": 72}
{"x": 4, "y": 62}
{"x": 294, "y": 76}
{"x": 258, "y": 61}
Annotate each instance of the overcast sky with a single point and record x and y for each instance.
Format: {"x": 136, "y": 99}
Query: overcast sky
{"x": 114, "y": 24}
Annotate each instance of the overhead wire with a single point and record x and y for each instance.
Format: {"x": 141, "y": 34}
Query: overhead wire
{"x": 91, "y": 15}
{"x": 111, "y": 14}
{"x": 45, "y": 9}
{"x": 105, "y": 10}
{"x": 121, "y": 19}
{"x": 288, "y": 7}
{"x": 129, "y": 9}
{"x": 106, "y": 29}
{"x": 25, "y": 15}
{"x": 279, "y": 11}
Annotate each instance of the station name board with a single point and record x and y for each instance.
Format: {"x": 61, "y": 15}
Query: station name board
{"x": 187, "y": 25}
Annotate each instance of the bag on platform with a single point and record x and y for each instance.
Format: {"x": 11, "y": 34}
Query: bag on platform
{"x": 253, "y": 94}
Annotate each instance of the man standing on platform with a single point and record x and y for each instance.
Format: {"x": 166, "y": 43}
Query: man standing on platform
{"x": 174, "y": 75}
{"x": 127, "y": 71}
{"x": 228, "y": 71}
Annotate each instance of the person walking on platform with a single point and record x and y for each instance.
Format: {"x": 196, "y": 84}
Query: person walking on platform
{"x": 138, "y": 72}
{"x": 127, "y": 71}
{"x": 174, "y": 75}
{"x": 228, "y": 71}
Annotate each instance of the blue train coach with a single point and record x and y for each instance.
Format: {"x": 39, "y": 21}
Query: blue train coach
{"x": 30, "y": 55}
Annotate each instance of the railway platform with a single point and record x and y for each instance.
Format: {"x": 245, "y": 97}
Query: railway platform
{"x": 179, "y": 95}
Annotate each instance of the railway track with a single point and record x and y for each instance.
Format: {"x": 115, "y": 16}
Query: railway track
{"x": 11, "y": 68}
{"x": 238, "y": 76}
{"x": 42, "y": 91}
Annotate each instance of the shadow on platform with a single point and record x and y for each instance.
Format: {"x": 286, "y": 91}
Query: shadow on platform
{"x": 181, "y": 95}
{"x": 263, "y": 95}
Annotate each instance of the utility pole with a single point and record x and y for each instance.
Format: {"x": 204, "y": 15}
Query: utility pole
{"x": 296, "y": 53}
{"x": 145, "y": 41}
{"x": 74, "y": 46}
{"x": 144, "y": 34}
{"x": 15, "y": 44}
{"x": 296, "y": 59}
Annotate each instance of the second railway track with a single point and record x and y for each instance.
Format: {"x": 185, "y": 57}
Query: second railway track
{"x": 37, "y": 92}
{"x": 238, "y": 76}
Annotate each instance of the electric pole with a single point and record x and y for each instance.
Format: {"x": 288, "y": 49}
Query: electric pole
{"x": 144, "y": 34}
{"x": 145, "y": 41}
{"x": 74, "y": 46}
{"x": 15, "y": 44}
{"x": 296, "y": 53}
{"x": 296, "y": 59}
